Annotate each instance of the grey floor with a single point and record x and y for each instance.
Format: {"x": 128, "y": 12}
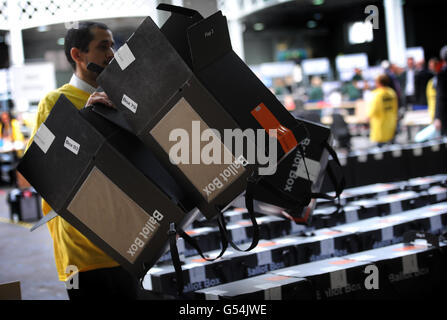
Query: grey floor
{"x": 28, "y": 256}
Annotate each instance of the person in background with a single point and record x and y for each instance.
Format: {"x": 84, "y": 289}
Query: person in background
{"x": 431, "y": 87}
{"x": 440, "y": 121}
{"x": 421, "y": 78}
{"x": 99, "y": 276}
{"x": 10, "y": 128}
{"x": 392, "y": 71}
{"x": 316, "y": 91}
{"x": 409, "y": 80}
{"x": 382, "y": 112}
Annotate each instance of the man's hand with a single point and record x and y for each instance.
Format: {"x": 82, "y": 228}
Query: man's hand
{"x": 100, "y": 97}
{"x": 437, "y": 124}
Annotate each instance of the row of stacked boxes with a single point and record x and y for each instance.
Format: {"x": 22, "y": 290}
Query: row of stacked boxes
{"x": 314, "y": 243}
{"x": 391, "y": 163}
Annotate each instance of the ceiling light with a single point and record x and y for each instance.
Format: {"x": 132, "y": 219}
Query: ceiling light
{"x": 318, "y": 2}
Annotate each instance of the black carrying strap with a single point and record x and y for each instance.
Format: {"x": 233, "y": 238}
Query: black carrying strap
{"x": 338, "y": 185}
{"x": 249, "y": 199}
{"x": 173, "y": 231}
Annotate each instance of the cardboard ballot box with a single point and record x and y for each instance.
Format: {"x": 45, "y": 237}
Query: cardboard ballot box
{"x": 171, "y": 111}
{"x": 335, "y": 278}
{"x": 264, "y": 287}
{"x": 205, "y": 45}
{"x": 106, "y": 184}
{"x": 406, "y": 271}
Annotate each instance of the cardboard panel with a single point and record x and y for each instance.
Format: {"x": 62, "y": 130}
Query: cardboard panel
{"x": 209, "y": 179}
{"x": 117, "y": 219}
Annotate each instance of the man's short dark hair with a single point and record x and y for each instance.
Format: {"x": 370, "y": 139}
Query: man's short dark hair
{"x": 384, "y": 80}
{"x": 80, "y": 38}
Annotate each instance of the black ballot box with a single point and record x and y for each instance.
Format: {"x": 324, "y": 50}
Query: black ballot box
{"x": 176, "y": 116}
{"x": 90, "y": 176}
{"x": 243, "y": 95}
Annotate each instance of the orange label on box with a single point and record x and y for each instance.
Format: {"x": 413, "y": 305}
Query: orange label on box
{"x": 341, "y": 262}
{"x": 269, "y": 122}
{"x": 331, "y": 233}
{"x": 277, "y": 278}
{"x": 267, "y": 244}
{"x": 409, "y": 248}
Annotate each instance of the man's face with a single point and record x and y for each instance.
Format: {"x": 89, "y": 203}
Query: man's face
{"x": 100, "y": 49}
{"x": 410, "y": 63}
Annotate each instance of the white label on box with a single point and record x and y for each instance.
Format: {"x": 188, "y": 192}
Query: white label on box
{"x": 44, "y": 138}
{"x": 435, "y": 223}
{"x": 397, "y": 153}
{"x": 72, "y": 145}
{"x": 382, "y": 194}
{"x": 338, "y": 279}
{"x": 213, "y": 294}
{"x": 378, "y": 156}
{"x": 417, "y": 151}
{"x": 410, "y": 264}
{"x": 441, "y": 196}
{"x": 327, "y": 246}
{"x": 350, "y": 229}
{"x": 273, "y": 294}
{"x": 197, "y": 274}
{"x": 238, "y": 234}
{"x": 351, "y": 216}
{"x": 387, "y": 233}
{"x": 310, "y": 167}
{"x": 181, "y": 246}
{"x": 124, "y": 56}
{"x": 147, "y": 282}
{"x": 129, "y": 103}
{"x": 264, "y": 257}
{"x": 396, "y": 207}
{"x": 362, "y": 158}
{"x": 297, "y": 227}
{"x": 435, "y": 147}
{"x": 235, "y": 218}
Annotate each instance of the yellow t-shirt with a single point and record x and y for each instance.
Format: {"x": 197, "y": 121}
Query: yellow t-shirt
{"x": 383, "y": 115}
{"x": 431, "y": 98}
{"x": 71, "y": 248}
